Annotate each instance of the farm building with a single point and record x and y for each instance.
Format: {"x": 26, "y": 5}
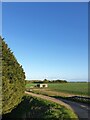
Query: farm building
{"x": 42, "y": 85}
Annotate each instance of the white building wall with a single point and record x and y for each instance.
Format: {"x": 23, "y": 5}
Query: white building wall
{"x": 41, "y": 85}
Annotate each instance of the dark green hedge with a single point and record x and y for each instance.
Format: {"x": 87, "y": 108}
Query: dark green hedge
{"x": 13, "y": 80}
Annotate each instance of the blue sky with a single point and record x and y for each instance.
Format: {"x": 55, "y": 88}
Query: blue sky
{"x": 50, "y": 40}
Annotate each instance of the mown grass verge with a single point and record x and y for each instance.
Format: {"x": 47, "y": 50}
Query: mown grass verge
{"x": 33, "y": 108}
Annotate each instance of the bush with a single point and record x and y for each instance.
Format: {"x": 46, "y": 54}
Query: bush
{"x": 13, "y": 79}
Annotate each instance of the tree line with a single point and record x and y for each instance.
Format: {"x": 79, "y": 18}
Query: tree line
{"x": 46, "y": 81}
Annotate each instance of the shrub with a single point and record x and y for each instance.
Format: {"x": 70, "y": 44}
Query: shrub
{"x": 13, "y": 79}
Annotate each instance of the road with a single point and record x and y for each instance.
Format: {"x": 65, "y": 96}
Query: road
{"x": 80, "y": 109}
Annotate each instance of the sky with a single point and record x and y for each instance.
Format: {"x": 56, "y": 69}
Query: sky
{"x": 50, "y": 40}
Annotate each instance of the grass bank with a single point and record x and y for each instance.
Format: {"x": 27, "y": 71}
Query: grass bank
{"x": 32, "y": 107}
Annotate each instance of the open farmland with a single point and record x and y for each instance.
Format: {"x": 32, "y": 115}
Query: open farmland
{"x": 73, "y": 88}
{"x": 70, "y": 88}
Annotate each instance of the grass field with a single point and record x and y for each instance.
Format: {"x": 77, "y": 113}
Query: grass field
{"x": 74, "y": 88}
{"x": 70, "y": 88}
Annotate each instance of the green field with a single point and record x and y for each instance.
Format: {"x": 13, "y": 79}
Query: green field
{"x": 74, "y": 88}
{"x": 71, "y": 88}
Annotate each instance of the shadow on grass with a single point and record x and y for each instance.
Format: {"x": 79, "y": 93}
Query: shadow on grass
{"x": 29, "y": 108}
{"x": 32, "y": 108}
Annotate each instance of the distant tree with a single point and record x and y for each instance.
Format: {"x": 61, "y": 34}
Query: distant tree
{"x": 13, "y": 79}
{"x": 45, "y": 81}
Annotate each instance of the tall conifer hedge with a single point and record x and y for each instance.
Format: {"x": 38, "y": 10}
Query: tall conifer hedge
{"x": 13, "y": 80}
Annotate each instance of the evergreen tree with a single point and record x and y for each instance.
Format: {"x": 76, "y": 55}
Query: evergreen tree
{"x": 13, "y": 80}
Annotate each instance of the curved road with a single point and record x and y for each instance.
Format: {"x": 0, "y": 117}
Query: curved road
{"x": 80, "y": 109}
